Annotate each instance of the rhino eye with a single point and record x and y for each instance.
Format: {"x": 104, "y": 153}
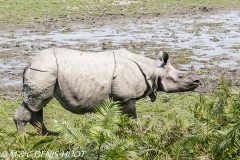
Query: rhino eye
{"x": 180, "y": 76}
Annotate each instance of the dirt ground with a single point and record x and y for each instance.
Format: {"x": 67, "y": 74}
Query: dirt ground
{"x": 190, "y": 38}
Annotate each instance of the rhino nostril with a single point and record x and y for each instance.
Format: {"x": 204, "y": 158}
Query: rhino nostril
{"x": 197, "y": 81}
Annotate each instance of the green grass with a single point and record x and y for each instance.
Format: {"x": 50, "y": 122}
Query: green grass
{"x": 176, "y": 126}
{"x": 165, "y": 108}
{"x": 155, "y": 119}
{"x": 19, "y": 13}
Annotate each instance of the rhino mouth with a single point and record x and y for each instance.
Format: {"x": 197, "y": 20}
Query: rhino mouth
{"x": 194, "y": 84}
{"x": 186, "y": 87}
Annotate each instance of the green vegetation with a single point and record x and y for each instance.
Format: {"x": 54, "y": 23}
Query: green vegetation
{"x": 176, "y": 126}
{"x": 17, "y": 13}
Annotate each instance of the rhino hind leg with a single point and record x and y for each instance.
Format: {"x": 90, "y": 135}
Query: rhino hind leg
{"x": 129, "y": 108}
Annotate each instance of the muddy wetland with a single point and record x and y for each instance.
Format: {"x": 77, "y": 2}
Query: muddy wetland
{"x": 207, "y": 40}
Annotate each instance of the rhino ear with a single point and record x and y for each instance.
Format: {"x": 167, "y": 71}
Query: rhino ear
{"x": 163, "y": 56}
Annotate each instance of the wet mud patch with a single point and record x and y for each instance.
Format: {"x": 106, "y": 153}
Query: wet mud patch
{"x": 209, "y": 42}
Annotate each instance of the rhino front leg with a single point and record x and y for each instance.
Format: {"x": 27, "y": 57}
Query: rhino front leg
{"x": 24, "y": 115}
{"x": 129, "y": 108}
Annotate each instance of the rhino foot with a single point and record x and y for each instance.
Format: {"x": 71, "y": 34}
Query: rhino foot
{"x": 129, "y": 108}
{"x": 22, "y": 116}
{"x": 49, "y": 133}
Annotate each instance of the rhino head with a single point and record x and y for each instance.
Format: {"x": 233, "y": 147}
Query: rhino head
{"x": 172, "y": 80}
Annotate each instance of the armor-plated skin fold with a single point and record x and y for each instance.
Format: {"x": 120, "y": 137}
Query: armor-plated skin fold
{"x": 84, "y": 79}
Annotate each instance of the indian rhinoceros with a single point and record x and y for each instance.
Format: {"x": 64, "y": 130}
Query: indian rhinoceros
{"x": 81, "y": 80}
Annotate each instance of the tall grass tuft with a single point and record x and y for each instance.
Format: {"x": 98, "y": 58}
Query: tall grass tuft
{"x": 216, "y": 132}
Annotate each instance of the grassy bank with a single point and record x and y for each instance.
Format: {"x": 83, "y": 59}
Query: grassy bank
{"x": 18, "y": 13}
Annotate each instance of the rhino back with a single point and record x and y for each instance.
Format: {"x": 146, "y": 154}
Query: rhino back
{"x": 44, "y": 61}
{"x": 84, "y": 79}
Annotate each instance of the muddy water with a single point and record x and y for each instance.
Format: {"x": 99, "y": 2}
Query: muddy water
{"x": 214, "y": 40}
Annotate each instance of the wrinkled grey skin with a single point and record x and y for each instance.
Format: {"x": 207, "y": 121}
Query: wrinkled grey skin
{"x": 81, "y": 80}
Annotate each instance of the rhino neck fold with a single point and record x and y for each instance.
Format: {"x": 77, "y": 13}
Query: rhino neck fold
{"x": 153, "y": 84}
{"x": 151, "y": 78}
